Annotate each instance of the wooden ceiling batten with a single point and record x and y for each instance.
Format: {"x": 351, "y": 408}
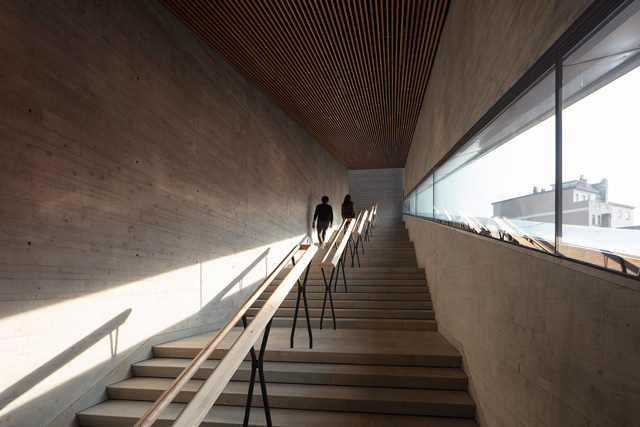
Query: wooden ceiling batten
{"x": 351, "y": 72}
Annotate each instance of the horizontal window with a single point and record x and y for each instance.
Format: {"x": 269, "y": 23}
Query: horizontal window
{"x": 502, "y": 183}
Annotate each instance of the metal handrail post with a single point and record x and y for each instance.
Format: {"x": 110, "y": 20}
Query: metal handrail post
{"x": 257, "y": 364}
{"x": 302, "y": 290}
{"x": 327, "y": 291}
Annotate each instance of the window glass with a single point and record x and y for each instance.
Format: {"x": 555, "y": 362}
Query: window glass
{"x": 424, "y": 198}
{"x": 601, "y": 145}
{"x": 499, "y": 184}
{"x": 502, "y": 182}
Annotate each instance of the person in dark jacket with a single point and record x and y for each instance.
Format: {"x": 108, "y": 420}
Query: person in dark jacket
{"x": 348, "y": 208}
{"x": 324, "y": 215}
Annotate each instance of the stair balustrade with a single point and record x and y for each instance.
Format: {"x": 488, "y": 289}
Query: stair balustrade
{"x": 334, "y": 258}
{"x": 211, "y": 389}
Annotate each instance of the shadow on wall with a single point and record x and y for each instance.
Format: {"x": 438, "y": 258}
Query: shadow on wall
{"x": 38, "y": 375}
{"x": 25, "y": 409}
{"x": 310, "y": 212}
{"x": 238, "y": 281}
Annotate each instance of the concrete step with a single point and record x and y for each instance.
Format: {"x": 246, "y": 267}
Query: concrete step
{"x": 347, "y": 346}
{"x": 362, "y": 282}
{"x": 355, "y": 273}
{"x": 371, "y": 270}
{"x": 384, "y": 240}
{"x": 319, "y": 373}
{"x": 342, "y": 304}
{"x": 125, "y": 413}
{"x": 391, "y": 250}
{"x": 380, "y": 261}
{"x": 401, "y": 401}
{"x": 357, "y": 323}
{"x": 389, "y": 233}
{"x": 408, "y": 246}
{"x": 359, "y": 289}
{"x": 359, "y": 296}
{"x": 354, "y": 313}
{"x": 382, "y": 254}
{"x": 372, "y": 253}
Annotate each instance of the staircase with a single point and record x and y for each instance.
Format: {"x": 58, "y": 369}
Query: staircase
{"x": 385, "y": 365}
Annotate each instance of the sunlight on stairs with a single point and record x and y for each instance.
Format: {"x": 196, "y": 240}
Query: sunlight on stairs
{"x": 385, "y": 365}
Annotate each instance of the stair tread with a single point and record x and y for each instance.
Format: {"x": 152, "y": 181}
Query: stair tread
{"x": 130, "y": 411}
{"x": 373, "y": 310}
{"x": 320, "y": 373}
{"x": 364, "y": 346}
{"x": 395, "y": 395}
{"x": 354, "y": 281}
{"x": 360, "y": 304}
{"x": 386, "y": 270}
{"x": 327, "y": 368}
{"x": 364, "y": 296}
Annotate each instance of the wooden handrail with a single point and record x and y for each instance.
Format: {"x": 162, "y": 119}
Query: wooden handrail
{"x": 343, "y": 244}
{"x": 333, "y": 240}
{"x": 362, "y": 218}
{"x": 370, "y": 209}
{"x": 167, "y": 397}
{"x": 211, "y": 389}
{"x": 374, "y": 214}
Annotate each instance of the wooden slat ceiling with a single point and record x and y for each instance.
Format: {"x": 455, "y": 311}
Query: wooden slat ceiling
{"x": 353, "y": 73}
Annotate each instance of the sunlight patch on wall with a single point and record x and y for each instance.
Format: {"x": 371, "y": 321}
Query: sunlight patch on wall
{"x": 46, "y": 349}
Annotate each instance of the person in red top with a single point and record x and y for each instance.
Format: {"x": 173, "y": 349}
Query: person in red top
{"x": 348, "y": 208}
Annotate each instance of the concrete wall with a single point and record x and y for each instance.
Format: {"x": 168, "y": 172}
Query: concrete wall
{"x": 382, "y": 186}
{"x": 145, "y": 186}
{"x": 486, "y": 46}
{"x": 545, "y": 341}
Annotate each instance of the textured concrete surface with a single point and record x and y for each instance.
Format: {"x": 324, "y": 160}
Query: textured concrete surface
{"x": 144, "y": 187}
{"x": 486, "y": 46}
{"x": 382, "y": 186}
{"x": 544, "y": 341}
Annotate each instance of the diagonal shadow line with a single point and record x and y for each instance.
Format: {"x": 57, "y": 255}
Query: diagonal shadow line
{"x": 237, "y": 279}
{"x": 243, "y": 274}
{"x": 35, "y": 377}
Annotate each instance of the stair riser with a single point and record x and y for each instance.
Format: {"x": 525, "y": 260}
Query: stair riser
{"x": 370, "y": 270}
{"x": 397, "y": 305}
{"x": 353, "y": 273}
{"x": 232, "y": 416}
{"x": 355, "y": 313}
{"x": 376, "y": 254}
{"x": 381, "y": 260}
{"x": 387, "y": 251}
{"x": 344, "y": 323}
{"x": 319, "y": 356}
{"x": 362, "y": 289}
{"x": 360, "y": 296}
{"x": 311, "y": 403}
{"x": 362, "y": 282}
{"x": 275, "y": 376}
